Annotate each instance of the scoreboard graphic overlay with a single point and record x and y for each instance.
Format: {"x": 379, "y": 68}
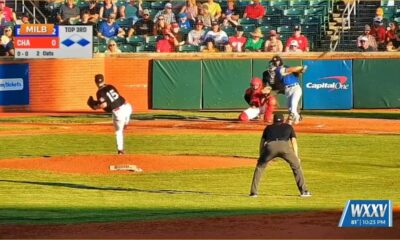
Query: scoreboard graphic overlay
{"x": 53, "y": 41}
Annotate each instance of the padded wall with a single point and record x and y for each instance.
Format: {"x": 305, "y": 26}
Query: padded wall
{"x": 224, "y": 83}
{"x": 376, "y": 83}
{"x": 177, "y": 84}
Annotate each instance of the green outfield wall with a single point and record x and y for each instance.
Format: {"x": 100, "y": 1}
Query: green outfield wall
{"x": 376, "y": 83}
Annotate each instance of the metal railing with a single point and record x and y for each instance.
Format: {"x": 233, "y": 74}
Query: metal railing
{"x": 346, "y": 24}
{"x": 35, "y": 10}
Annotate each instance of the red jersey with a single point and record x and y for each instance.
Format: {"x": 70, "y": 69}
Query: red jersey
{"x": 301, "y": 40}
{"x": 255, "y": 97}
{"x": 165, "y": 45}
{"x": 8, "y": 14}
{"x": 379, "y": 33}
{"x": 254, "y": 11}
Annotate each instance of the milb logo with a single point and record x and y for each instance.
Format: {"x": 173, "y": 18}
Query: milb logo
{"x": 367, "y": 213}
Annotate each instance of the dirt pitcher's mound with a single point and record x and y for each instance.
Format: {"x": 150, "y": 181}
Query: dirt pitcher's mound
{"x": 100, "y": 164}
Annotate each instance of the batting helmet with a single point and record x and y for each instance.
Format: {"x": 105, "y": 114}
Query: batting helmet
{"x": 256, "y": 81}
{"x": 276, "y": 61}
{"x": 99, "y": 78}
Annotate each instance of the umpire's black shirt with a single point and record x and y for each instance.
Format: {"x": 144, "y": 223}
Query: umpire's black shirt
{"x": 278, "y": 132}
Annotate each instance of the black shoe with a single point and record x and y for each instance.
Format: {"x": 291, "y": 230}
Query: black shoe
{"x": 121, "y": 152}
{"x": 253, "y": 195}
{"x": 305, "y": 194}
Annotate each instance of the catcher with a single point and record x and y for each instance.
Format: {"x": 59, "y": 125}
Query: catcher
{"x": 262, "y": 102}
{"x": 109, "y": 99}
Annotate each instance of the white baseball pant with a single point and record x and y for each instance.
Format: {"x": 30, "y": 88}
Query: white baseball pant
{"x": 121, "y": 117}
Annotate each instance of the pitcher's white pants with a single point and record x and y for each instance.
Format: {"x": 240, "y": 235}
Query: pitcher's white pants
{"x": 293, "y": 95}
{"x": 121, "y": 118}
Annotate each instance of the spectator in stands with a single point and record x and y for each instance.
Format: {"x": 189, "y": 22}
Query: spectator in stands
{"x": 379, "y": 15}
{"x": 167, "y": 43}
{"x": 168, "y": 14}
{"x": 391, "y": 31}
{"x": 214, "y": 9}
{"x": 3, "y": 42}
{"x": 130, "y": 10}
{"x": 110, "y": 28}
{"x": 394, "y": 44}
{"x": 191, "y": 9}
{"x": 301, "y": 40}
{"x": 210, "y": 46}
{"x": 196, "y": 36}
{"x": 254, "y": 11}
{"x": 144, "y": 26}
{"x": 69, "y": 13}
{"x": 94, "y": 11}
{"x": 230, "y": 16}
{"x": 184, "y": 22}
{"x": 85, "y": 20}
{"x": 365, "y": 47}
{"x": 256, "y": 43}
{"x": 379, "y": 32}
{"x": 367, "y": 34}
{"x": 294, "y": 46}
{"x": 9, "y": 38}
{"x": 107, "y": 9}
{"x": 6, "y": 13}
{"x": 24, "y": 19}
{"x": 273, "y": 44}
{"x": 237, "y": 42}
{"x": 160, "y": 25}
{"x": 112, "y": 47}
{"x": 205, "y": 15}
{"x": 220, "y": 38}
{"x": 177, "y": 34}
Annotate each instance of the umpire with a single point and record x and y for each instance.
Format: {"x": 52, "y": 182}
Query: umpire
{"x": 275, "y": 143}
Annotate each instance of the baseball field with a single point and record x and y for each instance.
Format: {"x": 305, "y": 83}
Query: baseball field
{"x": 55, "y": 178}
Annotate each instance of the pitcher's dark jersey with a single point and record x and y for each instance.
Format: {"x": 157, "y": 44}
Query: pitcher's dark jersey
{"x": 110, "y": 94}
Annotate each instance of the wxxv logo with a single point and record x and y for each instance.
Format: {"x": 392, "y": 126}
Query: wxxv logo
{"x": 367, "y": 213}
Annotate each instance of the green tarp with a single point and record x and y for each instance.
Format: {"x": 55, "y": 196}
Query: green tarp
{"x": 376, "y": 83}
{"x": 176, "y": 84}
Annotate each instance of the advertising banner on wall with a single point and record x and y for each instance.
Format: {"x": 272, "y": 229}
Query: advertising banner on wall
{"x": 14, "y": 84}
{"x": 328, "y": 84}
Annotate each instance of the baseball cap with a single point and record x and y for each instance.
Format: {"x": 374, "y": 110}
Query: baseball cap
{"x": 297, "y": 28}
{"x": 99, "y": 78}
{"x": 182, "y": 15}
{"x": 146, "y": 12}
{"x": 278, "y": 117}
{"x": 294, "y": 43}
{"x": 168, "y": 5}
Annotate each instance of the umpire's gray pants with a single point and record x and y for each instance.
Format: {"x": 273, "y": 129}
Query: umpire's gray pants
{"x": 278, "y": 149}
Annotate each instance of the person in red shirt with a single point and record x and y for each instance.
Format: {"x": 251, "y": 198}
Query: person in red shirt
{"x": 254, "y": 11}
{"x": 299, "y": 38}
{"x": 379, "y": 32}
{"x": 8, "y": 15}
{"x": 237, "y": 42}
{"x": 167, "y": 43}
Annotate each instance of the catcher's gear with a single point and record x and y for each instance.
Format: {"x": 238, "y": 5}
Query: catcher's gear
{"x": 92, "y": 103}
{"x": 256, "y": 81}
{"x": 266, "y": 90}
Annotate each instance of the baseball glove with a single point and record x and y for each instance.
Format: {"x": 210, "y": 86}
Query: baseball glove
{"x": 91, "y": 103}
{"x": 266, "y": 90}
